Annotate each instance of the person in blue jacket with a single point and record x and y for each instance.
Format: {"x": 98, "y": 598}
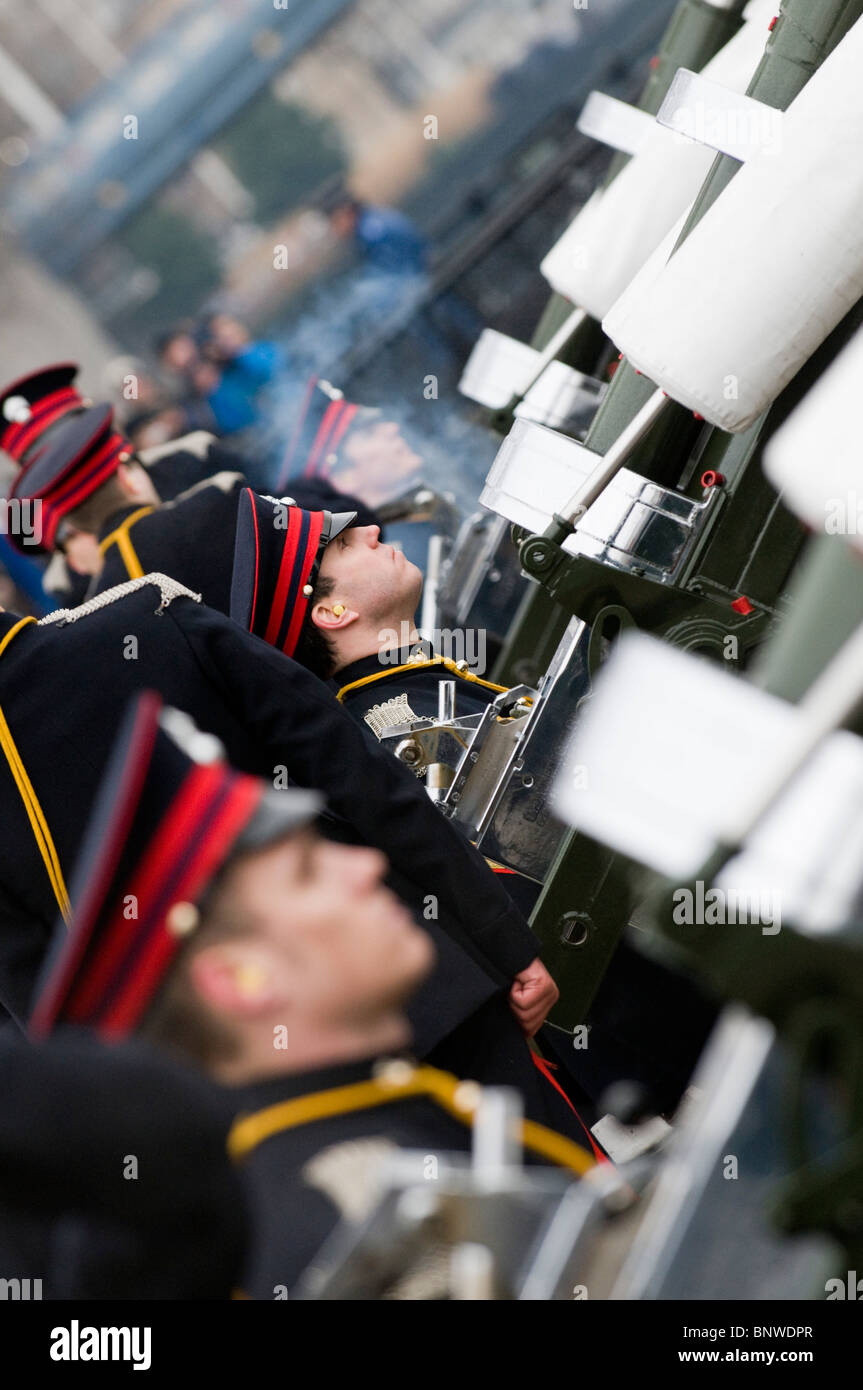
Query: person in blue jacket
{"x": 387, "y": 240}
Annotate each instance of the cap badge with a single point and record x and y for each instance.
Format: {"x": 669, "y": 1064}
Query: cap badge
{"x": 182, "y": 919}
{"x": 17, "y": 410}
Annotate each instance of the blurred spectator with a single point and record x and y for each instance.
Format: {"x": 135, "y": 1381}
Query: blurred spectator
{"x": 223, "y": 368}
{"x": 178, "y": 349}
{"x": 152, "y": 428}
{"x": 387, "y": 240}
{"x": 243, "y": 368}
{"x": 394, "y": 250}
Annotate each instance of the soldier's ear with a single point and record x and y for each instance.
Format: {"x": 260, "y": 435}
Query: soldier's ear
{"x": 136, "y": 481}
{"x": 233, "y": 979}
{"x": 127, "y": 473}
{"x": 333, "y": 615}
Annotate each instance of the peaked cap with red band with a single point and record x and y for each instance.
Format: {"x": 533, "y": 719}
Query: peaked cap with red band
{"x": 324, "y": 420}
{"x": 32, "y": 405}
{"x": 277, "y": 556}
{"x": 167, "y": 820}
{"x": 82, "y": 455}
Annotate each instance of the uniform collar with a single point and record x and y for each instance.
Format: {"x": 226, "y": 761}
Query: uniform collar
{"x": 380, "y": 663}
{"x": 271, "y": 1090}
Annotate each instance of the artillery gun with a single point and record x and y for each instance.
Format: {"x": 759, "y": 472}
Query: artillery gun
{"x": 769, "y": 1141}
{"x": 631, "y": 529}
{"x": 782, "y": 831}
{"x": 558, "y": 379}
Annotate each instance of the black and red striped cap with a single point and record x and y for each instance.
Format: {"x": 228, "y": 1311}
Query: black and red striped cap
{"x": 277, "y": 555}
{"x": 324, "y": 419}
{"x": 81, "y": 456}
{"x": 32, "y": 405}
{"x": 167, "y": 818}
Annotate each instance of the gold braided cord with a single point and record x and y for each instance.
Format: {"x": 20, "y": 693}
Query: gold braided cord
{"x": 35, "y": 814}
{"x": 454, "y": 1096}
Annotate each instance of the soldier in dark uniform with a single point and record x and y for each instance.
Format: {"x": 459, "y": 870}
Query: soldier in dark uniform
{"x": 104, "y": 508}
{"x": 352, "y": 447}
{"x": 173, "y": 469}
{"x": 192, "y": 537}
{"x": 89, "y": 481}
{"x": 357, "y": 626}
{"x": 33, "y": 413}
{"x": 280, "y": 593}
{"x": 648, "y": 1023}
{"x": 32, "y": 406}
{"x": 63, "y": 686}
{"x": 277, "y": 962}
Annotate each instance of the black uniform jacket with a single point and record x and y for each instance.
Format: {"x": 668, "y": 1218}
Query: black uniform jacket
{"x": 302, "y": 1180}
{"x": 173, "y": 469}
{"x": 64, "y": 687}
{"x": 415, "y": 672}
{"x": 307, "y": 1169}
{"x": 191, "y": 539}
{"x": 71, "y": 1215}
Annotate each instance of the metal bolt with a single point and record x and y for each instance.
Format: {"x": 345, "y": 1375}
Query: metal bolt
{"x": 575, "y": 928}
{"x": 409, "y": 752}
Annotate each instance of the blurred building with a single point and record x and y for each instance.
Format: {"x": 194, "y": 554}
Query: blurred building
{"x": 122, "y": 127}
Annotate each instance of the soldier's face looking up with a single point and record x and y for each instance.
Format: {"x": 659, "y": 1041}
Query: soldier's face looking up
{"x": 377, "y": 462}
{"x": 371, "y": 579}
{"x": 323, "y": 938}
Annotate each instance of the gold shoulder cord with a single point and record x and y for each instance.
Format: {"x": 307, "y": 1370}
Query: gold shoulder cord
{"x": 121, "y": 538}
{"x": 420, "y": 666}
{"x": 35, "y": 814}
{"x": 452, "y": 1095}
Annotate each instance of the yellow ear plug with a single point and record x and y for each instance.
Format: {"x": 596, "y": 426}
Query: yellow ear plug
{"x": 338, "y": 609}
{"x": 250, "y": 978}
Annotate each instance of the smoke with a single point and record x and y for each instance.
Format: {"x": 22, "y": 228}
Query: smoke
{"x": 411, "y": 376}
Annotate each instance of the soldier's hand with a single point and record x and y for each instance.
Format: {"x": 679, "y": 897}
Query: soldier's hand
{"x": 532, "y": 996}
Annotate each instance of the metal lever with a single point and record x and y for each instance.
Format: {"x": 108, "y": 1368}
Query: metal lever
{"x": 612, "y": 462}
{"x": 439, "y": 775}
{"x": 446, "y": 702}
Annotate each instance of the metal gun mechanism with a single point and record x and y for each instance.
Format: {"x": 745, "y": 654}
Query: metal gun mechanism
{"x": 500, "y": 791}
{"x": 432, "y": 748}
{"x": 486, "y": 1228}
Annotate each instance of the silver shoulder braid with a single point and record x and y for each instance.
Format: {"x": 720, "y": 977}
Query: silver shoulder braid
{"x": 168, "y": 588}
